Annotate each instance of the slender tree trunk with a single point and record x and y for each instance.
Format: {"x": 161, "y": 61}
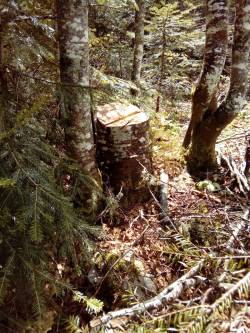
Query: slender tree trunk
{"x": 202, "y": 153}
{"x": 139, "y": 41}
{"x": 213, "y": 63}
{"x": 247, "y": 160}
{"x": 2, "y": 106}
{"x": 74, "y": 72}
{"x": 4, "y": 94}
{"x": 162, "y": 67}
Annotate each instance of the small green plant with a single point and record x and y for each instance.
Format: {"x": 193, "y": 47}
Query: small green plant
{"x": 93, "y": 305}
{"x": 208, "y": 185}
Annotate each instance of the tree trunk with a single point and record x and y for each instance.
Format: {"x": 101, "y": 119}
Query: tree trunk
{"x": 5, "y": 97}
{"x": 2, "y": 81}
{"x": 162, "y": 67}
{"x": 213, "y": 63}
{"x": 74, "y": 71}
{"x": 139, "y": 41}
{"x": 124, "y": 150}
{"x": 202, "y": 153}
{"x": 247, "y": 160}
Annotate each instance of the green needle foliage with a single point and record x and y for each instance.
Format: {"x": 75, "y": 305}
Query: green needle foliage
{"x": 38, "y": 225}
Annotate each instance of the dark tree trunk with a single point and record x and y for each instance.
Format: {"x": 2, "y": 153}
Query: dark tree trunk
{"x": 124, "y": 150}
{"x": 213, "y": 63}
{"x": 2, "y": 103}
{"x": 139, "y": 41}
{"x": 4, "y": 93}
{"x": 247, "y": 160}
{"x": 211, "y": 122}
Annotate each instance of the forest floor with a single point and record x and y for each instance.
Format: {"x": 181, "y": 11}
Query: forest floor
{"x": 142, "y": 255}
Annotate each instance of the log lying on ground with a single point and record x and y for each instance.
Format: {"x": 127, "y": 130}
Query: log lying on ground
{"x": 124, "y": 150}
{"x": 172, "y": 292}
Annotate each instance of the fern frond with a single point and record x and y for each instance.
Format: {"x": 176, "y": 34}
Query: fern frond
{"x": 220, "y": 306}
{"x": 72, "y": 325}
{"x": 93, "y": 305}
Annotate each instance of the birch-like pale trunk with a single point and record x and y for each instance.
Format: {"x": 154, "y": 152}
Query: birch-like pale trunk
{"x": 202, "y": 153}
{"x": 213, "y": 63}
{"x": 72, "y": 19}
{"x": 139, "y": 41}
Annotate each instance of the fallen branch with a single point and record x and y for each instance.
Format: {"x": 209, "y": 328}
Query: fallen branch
{"x": 169, "y": 294}
{"x": 243, "y": 285}
{"x": 230, "y": 244}
{"x": 174, "y": 290}
{"x": 236, "y": 136}
{"x": 238, "y": 228}
{"x": 241, "y": 178}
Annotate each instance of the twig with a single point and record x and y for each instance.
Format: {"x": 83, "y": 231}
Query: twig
{"x": 166, "y": 219}
{"x": 235, "y": 136}
{"x": 170, "y": 293}
{"x": 241, "y": 179}
{"x": 226, "y": 298}
{"x": 238, "y": 228}
{"x": 174, "y": 290}
{"x": 134, "y": 243}
{"x": 245, "y": 280}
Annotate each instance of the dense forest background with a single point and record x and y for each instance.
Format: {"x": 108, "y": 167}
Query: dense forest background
{"x": 110, "y": 234}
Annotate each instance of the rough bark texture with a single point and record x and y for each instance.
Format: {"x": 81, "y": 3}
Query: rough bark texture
{"x": 139, "y": 41}
{"x": 247, "y": 160}
{"x": 202, "y": 152}
{"x": 123, "y": 147}
{"x": 4, "y": 94}
{"x": 74, "y": 71}
{"x": 162, "y": 66}
{"x": 213, "y": 63}
{"x": 2, "y": 106}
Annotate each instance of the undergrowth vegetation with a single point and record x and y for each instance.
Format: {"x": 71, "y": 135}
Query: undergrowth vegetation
{"x": 67, "y": 265}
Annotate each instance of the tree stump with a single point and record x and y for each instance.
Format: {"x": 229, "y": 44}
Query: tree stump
{"x": 124, "y": 151}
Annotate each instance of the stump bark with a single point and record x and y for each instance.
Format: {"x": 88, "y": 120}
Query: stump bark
{"x": 124, "y": 151}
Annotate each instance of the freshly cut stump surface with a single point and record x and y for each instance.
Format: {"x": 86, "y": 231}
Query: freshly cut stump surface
{"x": 124, "y": 150}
